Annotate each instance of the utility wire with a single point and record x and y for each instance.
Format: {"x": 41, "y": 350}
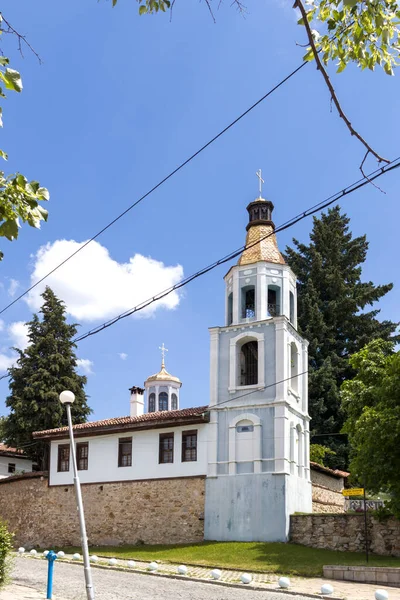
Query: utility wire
{"x": 159, "y": 184}
{"x": 310, "y": 211}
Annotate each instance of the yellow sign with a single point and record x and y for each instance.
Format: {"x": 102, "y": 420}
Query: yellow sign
{"x": 353, "y": 492}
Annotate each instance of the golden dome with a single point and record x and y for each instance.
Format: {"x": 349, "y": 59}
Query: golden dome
{"x": 163, "y": 375}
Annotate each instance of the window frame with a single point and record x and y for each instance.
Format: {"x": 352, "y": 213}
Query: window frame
{"x": 63, "y": 448}
{"x": 80, "y": 446}
{"x": 162, "y": 397}
{"x": 162, "y": 450}
{"x": 174, "y": 400}
{"x": 188, "y": 434}
{"x": 152, "y": 399}
{"x": 250, "y": 369}
{"x": 121, "y": 455}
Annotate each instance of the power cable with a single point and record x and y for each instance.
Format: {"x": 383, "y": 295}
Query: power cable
{"x": 155, "y": 187}
{"x": 316, "y": 208}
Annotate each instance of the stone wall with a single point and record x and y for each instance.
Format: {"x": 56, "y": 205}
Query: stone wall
{"x": 327, "y": 493}
{"x": 159, "y": 511}
{"x": 346, "y": 532}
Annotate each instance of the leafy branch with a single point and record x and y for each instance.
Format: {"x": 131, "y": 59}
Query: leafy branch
{"x": 19, "y": 198}
{"x": 313, "y": 53}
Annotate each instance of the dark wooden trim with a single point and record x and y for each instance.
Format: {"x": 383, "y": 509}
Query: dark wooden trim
{"x": 29, "y": 475}
{"x": 78, "y": 447}
{"x": 59, "y": 448}
{"x": 193, "y": 420}
{"x": 183, "y": 448}
{"x": 165, "y": 436}
{"x": 121, "y": 441}
{"x": 130, "y": 480}
{"x": 13, "y": 455}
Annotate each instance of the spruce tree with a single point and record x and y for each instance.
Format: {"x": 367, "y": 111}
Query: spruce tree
{"x": 43, "y": 370}
{"x": 332, "y": 316}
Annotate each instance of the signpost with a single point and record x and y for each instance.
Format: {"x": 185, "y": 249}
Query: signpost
{"x": 360, "y": 492}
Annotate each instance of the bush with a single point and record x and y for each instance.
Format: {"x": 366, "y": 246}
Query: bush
{"x": 5, "y": 552}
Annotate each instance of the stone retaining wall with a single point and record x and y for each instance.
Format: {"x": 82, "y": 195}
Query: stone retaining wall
{"x": 378, "y": 575}
{"x": 346, "y": 533}
{"x": 159, "y": 511}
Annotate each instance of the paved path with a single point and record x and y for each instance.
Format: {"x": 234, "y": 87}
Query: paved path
{"x": 114, "y": 584}
{"x": 117, "y": 585}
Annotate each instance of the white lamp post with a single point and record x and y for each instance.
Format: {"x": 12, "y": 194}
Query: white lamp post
{"x": 67, "y": 398}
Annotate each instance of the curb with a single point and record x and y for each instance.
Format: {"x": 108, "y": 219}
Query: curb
{"x": 240, "y": 586}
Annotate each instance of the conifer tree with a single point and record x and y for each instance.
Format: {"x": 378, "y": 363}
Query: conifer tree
{"x": 333, "y": 316}
{"x": 43, "y": 370}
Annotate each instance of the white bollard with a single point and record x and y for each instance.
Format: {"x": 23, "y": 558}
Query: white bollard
{"x": 182, "y": 570}
{"x": 76, "y": 556}
{"x": 60, "y": 554}
{"x": 153, "y": 566}
{"x": 45, "y": 553}
{"x": 216, "y": 574}
{"x": 94, "y": 558}
{"x": 284, "y": 583}
{"x": 112, "y": 562}
{"x": 246, "y": 578}
{"x": 131, "y": 564}
{"x": 381, "y": 595}
{"x": 326, "y": 589}
{"x": 21, "y": 550}
{"x": 33, "y": 552}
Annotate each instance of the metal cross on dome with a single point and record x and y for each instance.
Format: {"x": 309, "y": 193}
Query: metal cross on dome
{"x": 261, "y": 181}
{"x": 163, "y": 351}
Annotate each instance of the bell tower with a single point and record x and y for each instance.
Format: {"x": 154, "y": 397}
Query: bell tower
{"x": 258, "y": 451}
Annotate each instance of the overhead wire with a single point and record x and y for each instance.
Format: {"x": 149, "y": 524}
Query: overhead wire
{"x": 290, "y": 223}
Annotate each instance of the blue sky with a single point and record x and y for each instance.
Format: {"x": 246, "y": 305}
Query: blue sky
{"x": 119, "y": 101}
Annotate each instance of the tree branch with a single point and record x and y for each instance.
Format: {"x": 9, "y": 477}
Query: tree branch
{"x": 21, "y": 38}
{"x": 298, "y": 4}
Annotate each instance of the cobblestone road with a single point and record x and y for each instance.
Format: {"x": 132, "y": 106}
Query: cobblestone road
{"x": 117, "y": 585}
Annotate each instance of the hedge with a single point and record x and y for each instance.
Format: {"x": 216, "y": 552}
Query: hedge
{"x": 5, "y": 550}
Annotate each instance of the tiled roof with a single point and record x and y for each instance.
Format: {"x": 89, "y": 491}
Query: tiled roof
{"x": 266, "y": 248}
{"x": 334, "y": 472}
{"x": 152, "y": 419}
{"x": 7, "y": 450}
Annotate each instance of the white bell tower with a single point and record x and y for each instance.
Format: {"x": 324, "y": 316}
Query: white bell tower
{"x": 258, "y": 452}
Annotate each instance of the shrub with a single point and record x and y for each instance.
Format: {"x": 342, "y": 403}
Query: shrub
{"x": 5, "y": 552}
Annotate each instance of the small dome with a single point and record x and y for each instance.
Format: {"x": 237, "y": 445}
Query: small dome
{"x": 163, "y": 375}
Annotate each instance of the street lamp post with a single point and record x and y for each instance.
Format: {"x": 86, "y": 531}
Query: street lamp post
{"x": 67, "y": 398}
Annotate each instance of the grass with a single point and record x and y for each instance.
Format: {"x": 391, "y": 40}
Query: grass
{"x": 288, "y": 559}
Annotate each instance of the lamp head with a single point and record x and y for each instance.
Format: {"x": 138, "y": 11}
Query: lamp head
{"x": 67, "y": 397}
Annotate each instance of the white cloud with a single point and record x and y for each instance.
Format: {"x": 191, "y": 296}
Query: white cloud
{"x": 85, "y": 365}
{"x": 1, "y": 324}
{"x": 94, "y": 286}
{"x": 12, "y": 288}
{"x": 122, "y": 355}
{"x": 6, "y": 362}
{"x": 18, "y": 334}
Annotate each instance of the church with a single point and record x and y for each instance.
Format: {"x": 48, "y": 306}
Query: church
{"x": 251, "y": 443}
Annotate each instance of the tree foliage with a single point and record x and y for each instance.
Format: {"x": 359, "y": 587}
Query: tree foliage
{"x": 333, "y": 317}
{"x": 319, "y": 453}
{"x": 43, "y": 371}
{"x": 371, "y": 403}
{"x": 6, "y": 539}
{"x": 364, "y": 32}
{"x": 19, "y": 198}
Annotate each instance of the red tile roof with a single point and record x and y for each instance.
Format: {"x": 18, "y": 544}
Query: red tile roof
{"x": 148, "y": 420}
{"x": 6, "y": 450}
{"x": 334, "y": 472}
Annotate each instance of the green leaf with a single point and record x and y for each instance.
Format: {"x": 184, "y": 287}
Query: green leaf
{"x": 142, "y": 9}
{"x": 341, "y": 67}
{"x": 309, "y": 56}
{"x": 4, "y": 61}
{"x": 3, "y": 155}
{"x": 114, "y": 2}
{"x": 12, "y": 80}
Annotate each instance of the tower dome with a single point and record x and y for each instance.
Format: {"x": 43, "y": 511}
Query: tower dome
{"x": 162, "y": 388}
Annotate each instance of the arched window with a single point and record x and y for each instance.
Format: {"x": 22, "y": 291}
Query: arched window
{"x": 248, "y": 364}
{"x": 274, "y": 309}
{"x": 230, "y": 309}
{"x": 152, "y": 403}
{"x": 248, "y": 302}
{"x": 291, "y": 299}
{"x": 174, "y": 402}
{"x": 163, "y": 401}
{"x": 294, "y": 367}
